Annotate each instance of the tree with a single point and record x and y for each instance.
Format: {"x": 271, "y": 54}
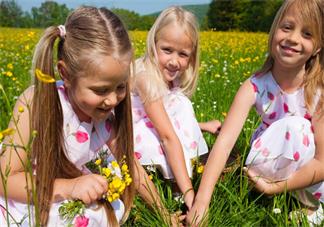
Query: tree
{"x": 133, "y": 21}
{"x": 246, "y": 15}
{"x": 10, "y": 14}
{"x": 221, "y": 15}
{"x": 49, "y": 13}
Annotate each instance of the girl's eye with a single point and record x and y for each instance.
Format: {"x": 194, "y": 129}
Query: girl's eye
{"x": 166, "y": 50}
{"x": 121, "y": 87}
{"x": 100, "y": 91}
{"x": 307, "y": 35}
{"x": 286, "y": 27}
{"x": 184, "y": 55}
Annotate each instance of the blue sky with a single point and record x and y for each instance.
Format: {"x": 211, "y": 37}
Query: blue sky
{"x": 140, "y": 6}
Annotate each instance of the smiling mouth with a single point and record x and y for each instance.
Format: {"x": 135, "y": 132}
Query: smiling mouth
{"x": 104, "y": 110}
{"x": 173, "y": 73}
{"x": 289, "y": 49}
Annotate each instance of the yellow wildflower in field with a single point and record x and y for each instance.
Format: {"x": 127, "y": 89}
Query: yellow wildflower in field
{"x": 9, "y": 66}
{"x": 9, "y": 74}
{"x": 200, "y": 169}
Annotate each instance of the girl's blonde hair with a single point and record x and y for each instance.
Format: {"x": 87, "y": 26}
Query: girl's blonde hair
{"x": 312, "y": 14}
{"x": 91, "y": 33}
{"x": 156, "y": 86}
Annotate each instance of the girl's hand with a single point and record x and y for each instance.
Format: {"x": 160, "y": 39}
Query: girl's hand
{"x": 177, "y": 218}
{"x": 212, "y": 127}
{"x": 196, "y": 216}
{"x": 262, "y": 184}
{"x": 88, "y": 188}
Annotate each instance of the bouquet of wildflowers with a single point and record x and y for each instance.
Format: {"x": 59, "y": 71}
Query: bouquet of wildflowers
{"x": 117, "y": 176}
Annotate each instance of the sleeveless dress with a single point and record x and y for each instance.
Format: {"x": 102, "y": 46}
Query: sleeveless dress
{"x": 147, "y": 145}
{"x": 83, "y": 141}
{"x": 284, "y": 141}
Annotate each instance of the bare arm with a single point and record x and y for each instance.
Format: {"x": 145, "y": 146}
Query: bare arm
{"x": 156, "y": 112}
{"x": 311, "y": 173}
{"x": 229, "y": 133}
{"x": 14, "y": 156}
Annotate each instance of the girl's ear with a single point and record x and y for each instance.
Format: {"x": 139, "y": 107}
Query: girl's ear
{"x": 61, "y": 67}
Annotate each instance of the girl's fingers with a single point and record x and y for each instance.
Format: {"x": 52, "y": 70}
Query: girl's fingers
{"x": 182, "y": 217}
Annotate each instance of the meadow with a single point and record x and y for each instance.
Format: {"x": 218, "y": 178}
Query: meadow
{"x": 227, "y": 59}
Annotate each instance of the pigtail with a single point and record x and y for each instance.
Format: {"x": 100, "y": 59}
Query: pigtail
{"x": 124, "y": 144}
{"x": 47, "y": 119}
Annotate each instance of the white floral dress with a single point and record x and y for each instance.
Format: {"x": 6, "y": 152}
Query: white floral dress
{"x": 284, "y": 141}
{"x": 148, "y": 149}
{"x": 83, "y": 141}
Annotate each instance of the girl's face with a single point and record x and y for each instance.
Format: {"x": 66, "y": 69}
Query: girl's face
{"x": 292, "y": 43}
{"x": 174, "y": 49}
{"x": 93, "y": 96}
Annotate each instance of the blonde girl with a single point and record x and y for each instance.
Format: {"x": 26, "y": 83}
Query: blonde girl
{"x": 287, "y": 150}
{"x": 87, "y": 112}
{"x": 166, "y": 132}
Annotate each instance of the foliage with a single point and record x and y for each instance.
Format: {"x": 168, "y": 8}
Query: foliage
{"x": 243, "y": 15}
{"x": 49, "y": 13}
{"x": 134, "y": 21}
{"x": 10, "y": 14}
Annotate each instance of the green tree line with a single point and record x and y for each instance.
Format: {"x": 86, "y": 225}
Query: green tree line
{"x": 221, "y": 15}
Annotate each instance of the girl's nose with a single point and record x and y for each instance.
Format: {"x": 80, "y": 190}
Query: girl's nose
{"x": 111, "y": 100}
{"x": 173, "y": 62}
{"x": 294, "y": 37}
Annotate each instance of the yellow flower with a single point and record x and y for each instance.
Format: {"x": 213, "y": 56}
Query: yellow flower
{"x": 115, "y": 196}
{"x": 98, "y": 162}
{"x": 9, "y": 74}
{"x": 224, "y": 114}
{"x": 110, "y": 199}
{"x": 34, "y": 133}
{"x": 106, "y": 171}
{"x": 116, "y": 183}
{"x": 122, "y": 187}
{"x": 20, "y": 109}
{"x": 200, "y": 169}
{"x": 128, "y": 180}
{"x": 44, "y": 77}
{"x": 124, "y": 168}
{"x": 8, "y": 132}
{"x": 9, "y": 66}
{"x": 114, "y": 164}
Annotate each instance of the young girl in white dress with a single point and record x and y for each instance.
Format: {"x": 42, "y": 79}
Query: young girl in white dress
{"x": 166, "y": 132}
{"x": 89, "y": 111}
{"x": 287, "y": 150}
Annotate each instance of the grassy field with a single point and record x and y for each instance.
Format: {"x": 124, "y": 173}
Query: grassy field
{"x": 227, "y": 59}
